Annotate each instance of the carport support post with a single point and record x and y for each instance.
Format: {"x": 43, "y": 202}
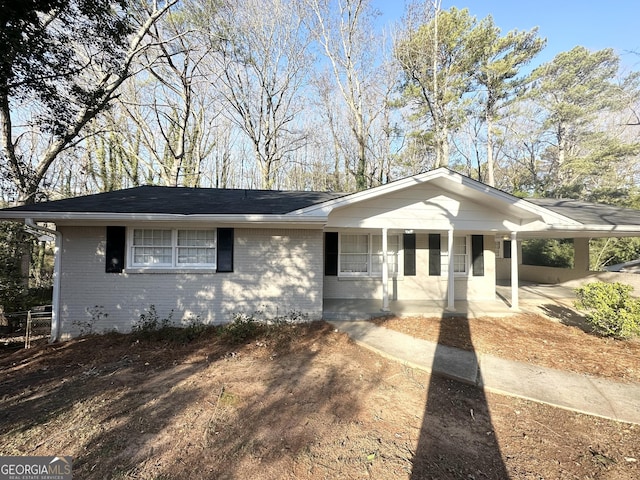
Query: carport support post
{"x": 451, "y": 294}
{"x": 514, "y": 271}
{"x": 581, "y": 254}
{"x": 385, "y": 273}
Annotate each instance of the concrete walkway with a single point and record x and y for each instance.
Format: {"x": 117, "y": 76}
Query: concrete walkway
{"x": 576, "y": 392}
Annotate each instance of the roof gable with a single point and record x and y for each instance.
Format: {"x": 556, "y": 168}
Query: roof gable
{"x": 424, "y": 207}
{"x": 455, "y": 184}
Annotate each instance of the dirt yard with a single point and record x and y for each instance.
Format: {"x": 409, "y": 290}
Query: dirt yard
{"x": 304, "y": 402}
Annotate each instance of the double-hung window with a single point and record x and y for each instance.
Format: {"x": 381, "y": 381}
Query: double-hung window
{"x": 361, "y": 255}
{"x": 173, "y": 248}
{"x": 196, "y": 248}
{"x": 377, "y": 255}
{"x": 354, "y": 254}
{"x": 460, "y": 255}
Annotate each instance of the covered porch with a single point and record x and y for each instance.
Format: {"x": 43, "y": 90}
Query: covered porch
{"x": 443, "y": 244}
{"x": 533, "y": 297}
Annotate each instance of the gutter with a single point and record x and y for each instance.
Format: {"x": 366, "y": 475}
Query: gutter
{"x": 163, "y": 217}
{"x": 55, "y": 303}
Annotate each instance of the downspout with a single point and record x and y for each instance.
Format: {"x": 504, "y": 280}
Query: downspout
{"x": 55, "y": 302}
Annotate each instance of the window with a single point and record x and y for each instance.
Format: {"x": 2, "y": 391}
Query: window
{"x": 460, "y": 255}
{"x": 361, "y": 255}
{"x": 354, "y": 254}
{"x": 173, "y": 248}
{"x": 152, "y": 247}
{"x": 196, "y": 247}
{"x": 392, "y": 255}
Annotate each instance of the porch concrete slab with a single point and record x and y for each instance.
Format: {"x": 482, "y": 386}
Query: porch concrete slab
{"x": 581, "y": 393}
{"x": 532, "y": 295}
{"x": 365, "y": 309}
{"x": 533, "y": 298}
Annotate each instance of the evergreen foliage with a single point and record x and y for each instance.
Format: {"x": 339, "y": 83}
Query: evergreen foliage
{"x": 611, "y": 310}
{"x": 548, "y": 252}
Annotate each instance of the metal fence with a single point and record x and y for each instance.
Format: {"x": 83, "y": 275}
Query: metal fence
{"x": 25, "y": 327}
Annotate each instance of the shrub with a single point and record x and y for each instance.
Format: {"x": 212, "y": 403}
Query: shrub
{"x": 191, "y": 330}
{"x": 611, "y": 311}
{"x": 86, "y": 326}
{"x": 149, "y": 321}
{"x": 293, "y": 317}
{"x": 243, "y": 327}
{"x": 150, "y": 325}
{"x": 279, "y": 330}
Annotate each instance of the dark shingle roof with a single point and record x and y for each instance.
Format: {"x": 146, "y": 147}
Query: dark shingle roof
{"x": 185, "y": 201}
{"x": 590, "y": 213}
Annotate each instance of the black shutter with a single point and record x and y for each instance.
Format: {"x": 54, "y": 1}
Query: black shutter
{"x": 409, "y": 245}
{"x": 434, "y": 254}
{"x": 225, "y": 250}
{"x": 331, "y": 254}
{"x": 477, "y": 255}
{"x": 506, "y": 249}
{"x": 116, "y": 247}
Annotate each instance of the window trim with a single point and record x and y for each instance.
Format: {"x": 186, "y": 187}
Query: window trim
{"x": 467, "y": 255}
{"x": 174, "y": 265}
{"x": 370, "y": 255}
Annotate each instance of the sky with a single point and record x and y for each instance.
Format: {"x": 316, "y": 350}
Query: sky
{"x": 564, "y": 23}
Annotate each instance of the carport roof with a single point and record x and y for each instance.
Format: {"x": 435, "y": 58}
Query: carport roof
{"x": 589, "y": 213}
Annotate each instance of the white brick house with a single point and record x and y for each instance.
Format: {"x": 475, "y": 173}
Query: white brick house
{"x": 210, "y": 253}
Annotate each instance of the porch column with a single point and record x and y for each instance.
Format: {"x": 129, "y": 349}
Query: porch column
{"x": 451, "y": 294}
{"x": 514, "y": 271}
{"x": 385, "y": 272}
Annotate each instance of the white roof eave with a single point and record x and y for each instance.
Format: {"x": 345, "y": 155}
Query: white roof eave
{"x": 155, "y": 217}
{"x": 622, "y": 229}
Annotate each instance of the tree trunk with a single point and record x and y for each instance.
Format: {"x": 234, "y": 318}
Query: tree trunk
{"x": 490, "y": 175}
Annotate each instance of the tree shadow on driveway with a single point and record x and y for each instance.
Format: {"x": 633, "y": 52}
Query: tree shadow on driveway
{"x": 448, "y": 447}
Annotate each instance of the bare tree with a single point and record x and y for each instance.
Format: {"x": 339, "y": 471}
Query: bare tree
{"x": 499, "y": 76}
{"x": 345, "y": 32}
{"x": 85, "y": 89}
{"x": 263, "y": 63}
{"x": 169, "y": 106}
